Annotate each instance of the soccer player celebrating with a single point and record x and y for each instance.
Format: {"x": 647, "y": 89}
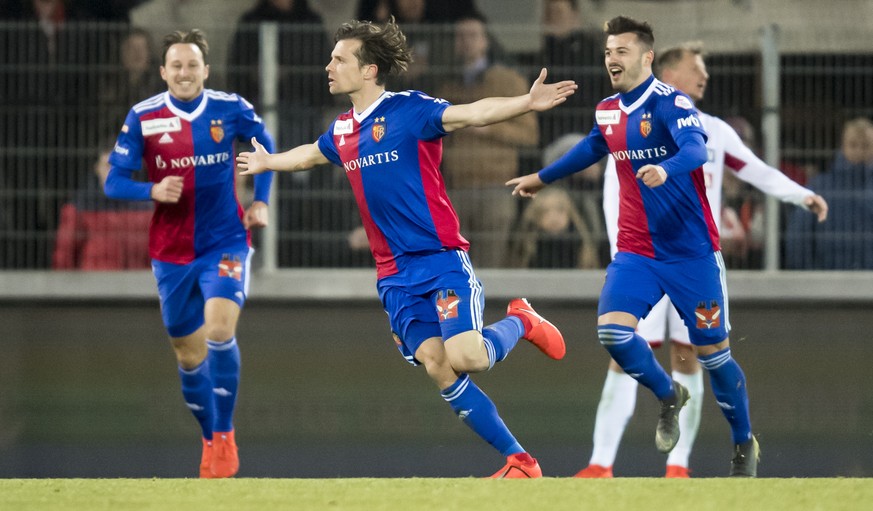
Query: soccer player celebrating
{"x": 198, "y": 240}
{"x": 667, "y": 238}
{"x": 389, "y": 145}
{"x": 682, "y": 67}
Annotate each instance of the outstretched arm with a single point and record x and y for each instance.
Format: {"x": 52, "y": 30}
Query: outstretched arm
{"x": 302, "y": 157}
{"x": 542, "y": 96}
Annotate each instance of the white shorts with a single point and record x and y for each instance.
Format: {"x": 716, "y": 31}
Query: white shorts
{"x": 663, "y": 319}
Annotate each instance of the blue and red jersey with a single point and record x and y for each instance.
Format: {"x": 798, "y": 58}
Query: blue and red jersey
{"x": 391, "y": 154}
{"x": 193, "y": 140}
{"x": 659, "y": 125}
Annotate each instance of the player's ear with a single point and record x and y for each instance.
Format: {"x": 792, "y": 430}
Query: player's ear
{"x": 163, "y": 73}
{"x": 371, "y": 72}
{"x": 206, "y": 71}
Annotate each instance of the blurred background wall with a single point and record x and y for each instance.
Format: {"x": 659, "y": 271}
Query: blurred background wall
{"x": 89, "y": 389}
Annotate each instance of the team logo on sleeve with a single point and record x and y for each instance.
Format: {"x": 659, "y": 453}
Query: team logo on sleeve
{"x": 447, "y": 304}
{"x": 216, "y": 130}
{"x": 683, "y": 102}
{"x": 708, "y": 316}
{"x": 228, "y": 267}
{"x": 378, "y": 128}
{"x": 646, "y": 124}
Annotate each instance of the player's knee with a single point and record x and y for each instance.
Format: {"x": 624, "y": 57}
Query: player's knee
{"x": 188, "y": 356}
{"x": 220, "y": 330}
{"x": 467, "y": 355}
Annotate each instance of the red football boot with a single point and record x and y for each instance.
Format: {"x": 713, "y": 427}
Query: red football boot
{"x": 537, "y": 329}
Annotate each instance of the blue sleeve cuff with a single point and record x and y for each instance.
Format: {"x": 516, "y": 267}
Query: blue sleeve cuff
{"x": 264, "y": 181}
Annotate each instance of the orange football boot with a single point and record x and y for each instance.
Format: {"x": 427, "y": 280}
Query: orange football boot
{"x": 206, "y": 460}
{"x": 537, "y": 329}
{"x": 225, "y": 455}
{"x": 595, "y": 472}
{"x": 677, "y": 472}
{"x": 519, "y": 466}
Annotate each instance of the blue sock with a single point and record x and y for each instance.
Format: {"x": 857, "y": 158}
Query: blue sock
{"x": 501, "y": 337}
{"x": 479, "y": 413}
{"x": 197, "y": 391}
{"x": 632, "y": 353}
{"x": 729, "y": 386}
{"x": 224, "y": 363}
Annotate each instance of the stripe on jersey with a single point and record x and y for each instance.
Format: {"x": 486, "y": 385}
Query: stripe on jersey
{"x": 445, "y": 219}
{"x": 632, "y": 217}
{"x": 381, "y": 250}
{"x": 699, "y": 181}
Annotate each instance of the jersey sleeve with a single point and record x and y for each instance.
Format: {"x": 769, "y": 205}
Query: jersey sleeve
{"x": 751, "y": 169}
{"x": 251, "y": 125}
{"x": 587, "y": 152}
{"x": 328, "y": 148}
{"x": 681, "y": 119}
{"x": 426, "y": 114}
{"x": 129, "y": 145}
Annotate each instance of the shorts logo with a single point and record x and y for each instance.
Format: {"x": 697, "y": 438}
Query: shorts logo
{"x": 378, "y": 128}
{"x": 228, "y": 267}
{"x": 708, "y": 317}
{"x": 447, "y": 304}
{"x": 646, "y": 125}
{"x": 216, "y": 131}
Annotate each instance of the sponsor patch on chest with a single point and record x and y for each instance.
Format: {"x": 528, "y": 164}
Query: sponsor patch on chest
{"x": 608, "y": 116}
{"x": 162, "y": 125}
{"x": 343, "y": 127}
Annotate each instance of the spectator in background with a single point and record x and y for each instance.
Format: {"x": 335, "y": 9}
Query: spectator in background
{"x": 569, "y": 50}
{"x": 302, "y": 46}
{"x": 845, "y": 241}
{"x": 477, "y": 161}
{"x": 552, "y": 234}
{"x": 98, "y": 233}
{"x": 133, "y": 80}
{"x": 380, "y": 11}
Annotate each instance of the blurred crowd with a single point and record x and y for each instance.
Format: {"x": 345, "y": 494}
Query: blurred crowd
{"x": 73, "y": 68}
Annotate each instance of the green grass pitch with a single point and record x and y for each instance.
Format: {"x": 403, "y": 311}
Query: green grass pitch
{"x": 420, "y": 494}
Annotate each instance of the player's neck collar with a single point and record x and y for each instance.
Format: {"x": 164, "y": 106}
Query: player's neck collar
{"x": 632, "y": 99}
{"x": 187, "y": 110}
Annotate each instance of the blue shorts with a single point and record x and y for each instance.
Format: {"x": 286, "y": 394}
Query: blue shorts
{"x": 697, "y": 288}
{"x": 184, "y": 288}
{"x": 436, "y": 295}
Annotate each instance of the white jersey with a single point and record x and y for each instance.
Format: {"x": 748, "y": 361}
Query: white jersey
{"x": 725, "y": 149}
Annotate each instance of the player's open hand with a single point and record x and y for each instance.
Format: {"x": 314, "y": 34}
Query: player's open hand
{"x": 652, "y": 175}
{"x": 526, "y": 186}
{"x": 169, "y": 190}
{"x": 544, "y": 96}
{"x": 817, "y": 205}
{"x": 257, "y": 215}
{"x": 253, "y": 162}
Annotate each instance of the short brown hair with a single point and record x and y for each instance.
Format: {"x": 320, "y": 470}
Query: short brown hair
{"x": 625, "y": 25}
{"x": 195, "y": 37}
{"x": 383, "y": 45}
{"x": 671, "y": 56}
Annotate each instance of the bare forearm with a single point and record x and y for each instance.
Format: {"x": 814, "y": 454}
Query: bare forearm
{"x": 485, "y": 112}
{"x": 302, "y": 157}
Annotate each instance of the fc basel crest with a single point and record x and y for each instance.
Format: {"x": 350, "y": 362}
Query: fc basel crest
{"x": 708, "y": 316}
{"x": 646, "y": 124}
{"x": 447, "y": 304}
{"x": 378, "y": 128}
{"x": 216, "y": 130}
{"x": 230, "y": 267}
